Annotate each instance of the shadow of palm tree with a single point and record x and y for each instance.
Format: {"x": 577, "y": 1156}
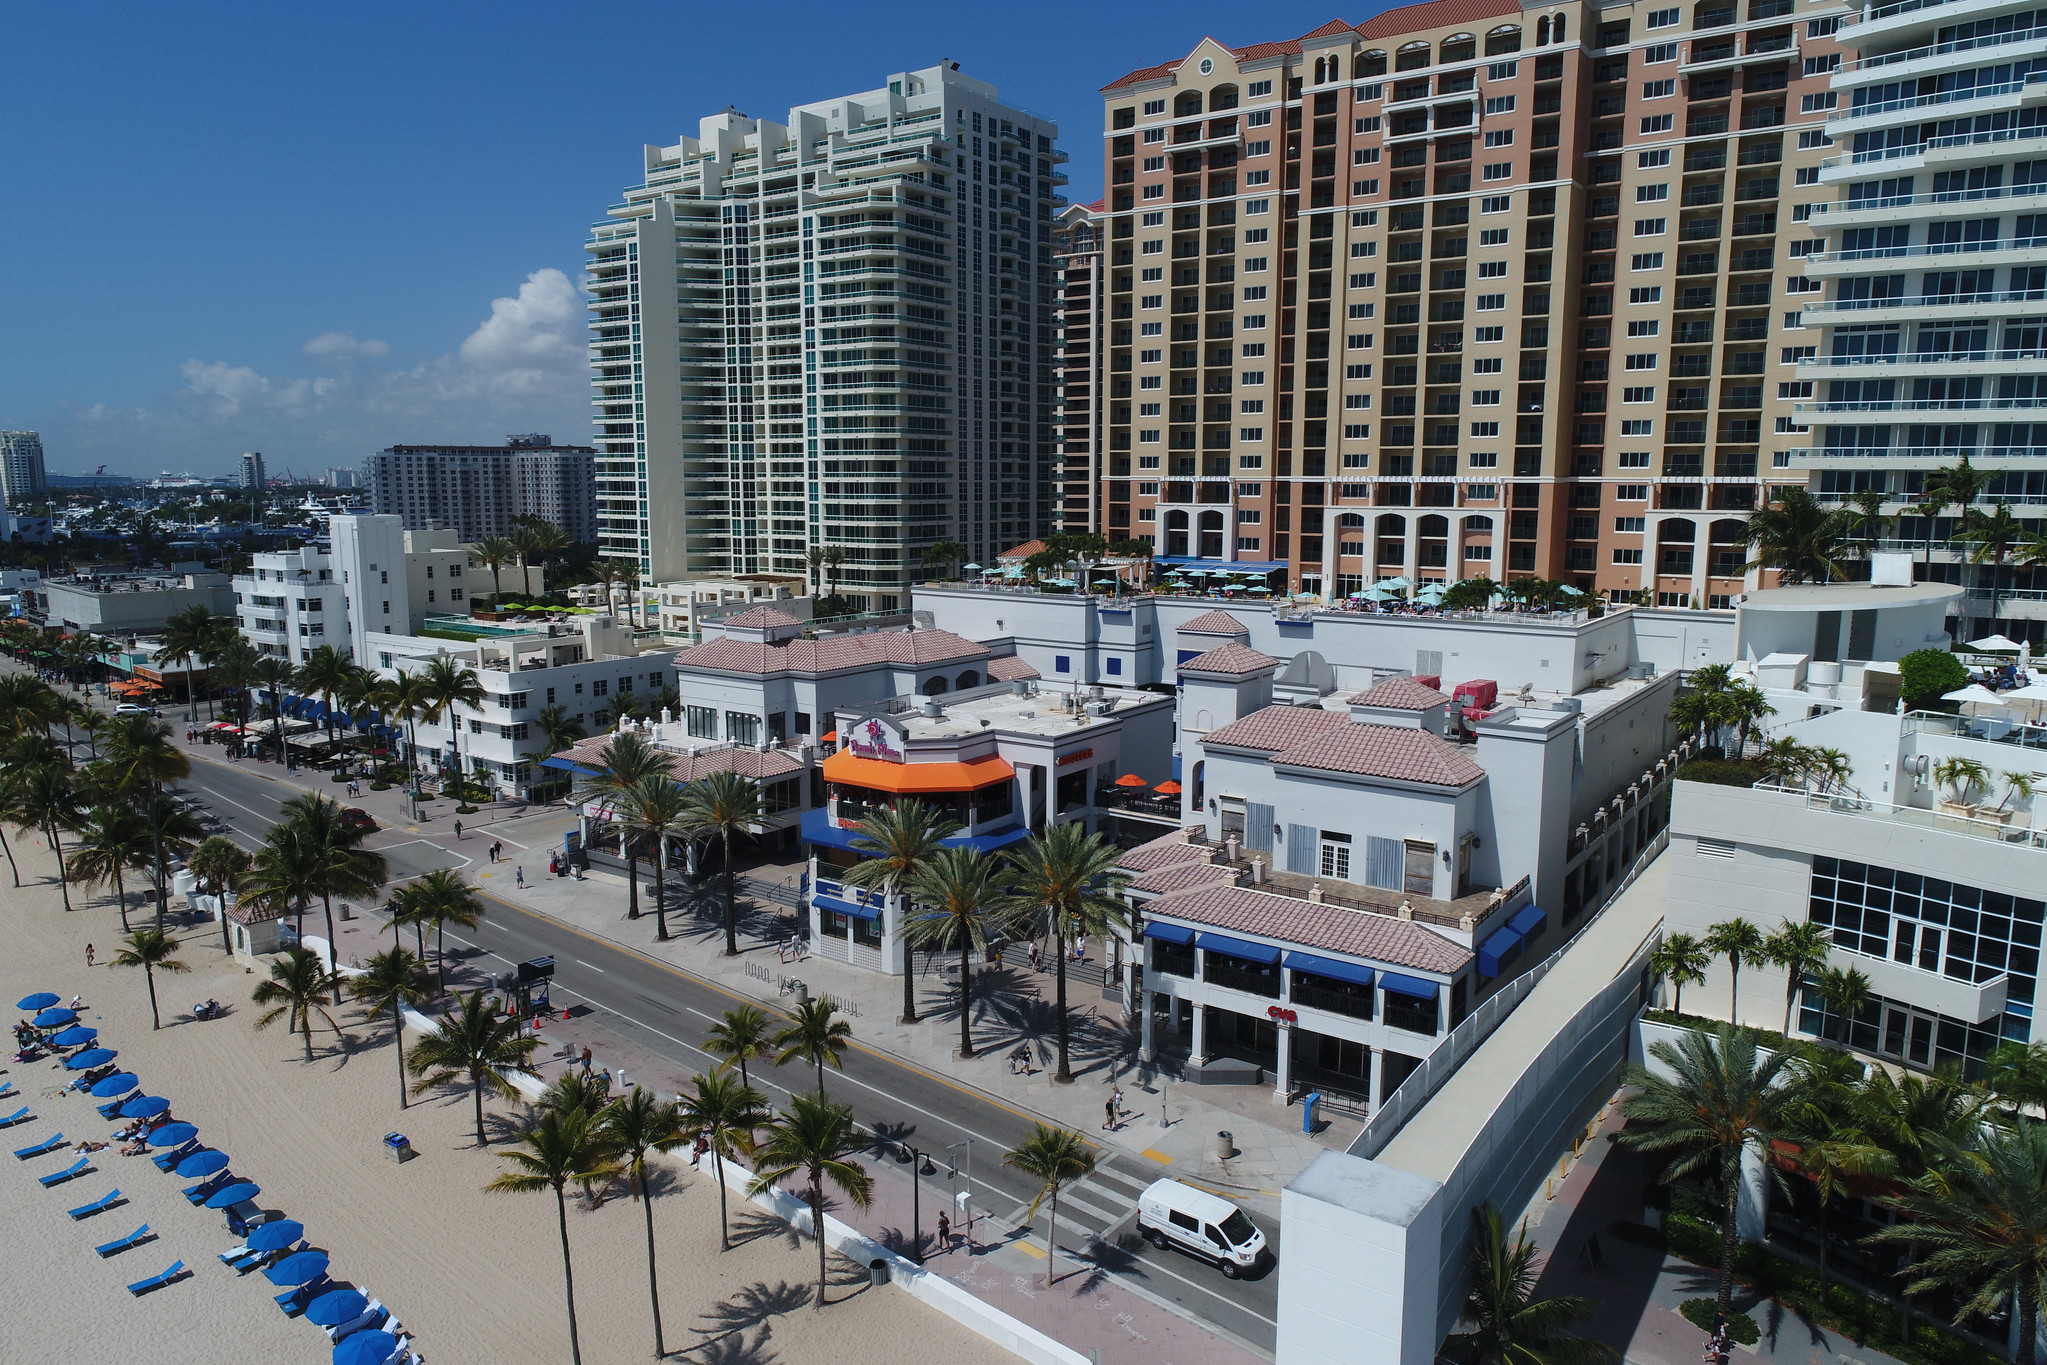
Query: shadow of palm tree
{"x": 734, "y": 1349}
{"x": 750, "y": 1306}
{"x": 753, "y": 1226}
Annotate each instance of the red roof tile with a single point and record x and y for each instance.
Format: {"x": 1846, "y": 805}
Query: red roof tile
{"x": 1229, "y": 658}
{"x": 763, "y": 616}
{"x": 1276, "y": 728}
{"x": 830, "y": 654}
{"x": 1165, "y": 851}
{"x": 1330, "y": 928}
{"x": 1435, "y": 14}
{"x": 1215, "y": 623}
{"x": 1400, "y": 694}
{"x": 1164, "y": 881}
{"x": 1394, "y": 752}
{"x": 588, "y": 753}
{"x": 1011, "y": 669}
{"x": 1023, "y": 551}
{"x": 1333, "y": 26}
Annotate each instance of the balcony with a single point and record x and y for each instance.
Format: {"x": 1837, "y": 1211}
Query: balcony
{"x": 2022, "y": 360}
{"x": 1934, "y": 50}
{"x": 1725, "y": 54}
{"x": 1901, "y": 20}
{"x": 1975, "y": 100}
{"x": 1924, "y": 306}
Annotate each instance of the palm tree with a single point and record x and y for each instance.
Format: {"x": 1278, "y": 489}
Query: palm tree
{"x": 153, "y": 951}
{"x": 1866, "y": 517}
{"x": 299, "y": 987}
{"x": 1722, "y": 1100}
{"x": 140, "y": 751}
{"x": 726, "y": 1114}
{"x": 1799, "y": 537}
{"x": 1984, "y": 1216}
{"x": 557, "y": 729}
{"x": 475, "y": 1042}
{"x": 405, "y": 700}
{"x": 960, "y": 906}
{"x": 624, "y": 761}
{"x": 2017, "y": 1074}
{"x": 1681, "y": 960}
{"x": 1052, "y": 1157}
{"x": 1744, "y": 706}
{"x": 816, "y": 1139}
{"x": 49, "y": 802}
{"x": 1847, "y": 993}
{"x": 557, "y": 1148}
{"x": 1741, "y": 943}
{"x": 28, "y": 705}
{"x": 1824, "y": 1125}
{"x": 834, "y": 560}
{"x": 1070, "y": 873}
{"x": 655, "y": 809}
{"x": 449, "y": 686}
{"x": 343, "y": 867}
{"x": 13, "y": 811}
{"x": 944, "y": 554}
{"x": 391, "y": 981}
{"x": 430, "y": 903}
{"x": 816, "y": 1034}
{"x": 219, "y": 862}
{"x": 284, "y": 875}
{"x": 186, "y": 635}
{"x": 273, "y": 675}
{"x": 113, "y": 841}
{"x": 1508, "y": 1325}
{"x": 1800, "y": 948}
{"x": 638, "y": 1123}
{"x": 325, "y": 672}
{"x": 493, "y": 553}
{"x": 719, "y": 804}
{"x": 739, "y": 1036}
{"x": 897, "y": 840}
{"x": 1987, "y": 540}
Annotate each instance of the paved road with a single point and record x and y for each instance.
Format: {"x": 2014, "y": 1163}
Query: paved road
{"x": 663, "y": 1011}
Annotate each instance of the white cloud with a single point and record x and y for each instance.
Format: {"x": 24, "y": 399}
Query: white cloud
{"x": 537, "y": 331}
{"x": 231, "y": 388}
{"x": 344, "y": 346}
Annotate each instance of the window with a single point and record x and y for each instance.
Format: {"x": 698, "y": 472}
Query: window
{"x": 1359, "y": 218}
{"x": 1357, "y": 341}
{"x": 1490, "y": 303}
{"x": 1485, "y": 398}
{"x": 1155, "y": 163}
{"x": 1494, "y": 203}
{"x": 1152, "y": 274}
{"x": 1150, "y": 135}
{"x": 1149, "y": 357}
{"x": 1501, "y": 71}
{"x": 1256, "y": 206}
{"x": 1485, "y": 429}
{"x": 1651, "y": 227}
{"x": 1256, "y": 88}
{"x": 1791, "y": 355}
{"x": 1650, "y": 194}
{"x": 702, "y": 721}
{"x": 1656, "y": 90}
{"x": 1247, "y": 542}
{"x": 1658, "y": 123}
{"x": 1251, "y": 433}
{"x": 1649, "y": 294}
{"x": 1154, "y": 219}
{"x": 1154, "y": 191}
{"x": 1152, "y": 301}
{"x": 1499, "y": 104}
{"x": 1367, "y": 125}
{"x": 1253, "y": 321}
{"x": 1483, "y": 365}
{"x": 1249, "y": 516}
{"x": 1813, "y": 104}
{"x": 1646, "y": 260}
{"x": 1254, "y": 293}
{"x": 1821, "y": 66}
{"x": 1334, "y": 860}
{"x": 1802, "y": 284}
{"x": 1485, "y": 459}
{"x": 1253, "y": 349}
{"x": 1492, "y": 270}
{"x": 1822, "y": 28}
{"x": 1627, "y": 556}
{"x": 1642, "y": 361}
{"x": 1631, "y": 492}
{"x": 1640, "y": 426}
{"x": 1499, "y": 170}
{"x": 1797, "y": 389}
{"x": 1154, "y": 106}
{"x": 1813, "y": 138}
{"x": 1664, "y": 18}
{"x": 1148, "y": 410}
{"x": 1256, "y": 178}
{"x": 1364, "y": 156}
{"x": 1360, "y": 279}
{"x": 1154, "y": 248}
{"x": 1481, "y": 335}
{"x": 1358, "y": 310}
{"x": 1493, "y": 236}
{"x": 1251, "y": 377}
{"x": 1634, "y": 459}
{"x": 1645, "y": 393}
{"x": 1254, "y": 264}
{"x": 1263, "y": 147}
{"x": 1660, "y": 52}
{"x": 1503, "y": 137}
{"x": 1364, "y": 248}
{"x": 1253, "y": 236}
{"x": 1151, "y": 329}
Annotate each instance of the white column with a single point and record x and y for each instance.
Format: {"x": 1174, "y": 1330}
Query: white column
{"x": 1147, "y": 1044}
{"x": 1283, "y": 1079}
{"x": 1197, "y": 1053}
{"x": 1377, "y": 1077}
{"x": 1701, "y": 548}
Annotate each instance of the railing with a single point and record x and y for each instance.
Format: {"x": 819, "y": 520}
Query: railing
{"x": 1862, "y": 807}
{"x": 1933, "y": 249}
{"x": 1898, "y": 201}
{"x": 1940, "y": 49}
{"x": 1897, "y": 7}
{"x": 1974, "y": 92}
{"x": 1926, "y": 358}
{"x": 1928, "y": 301}
{"x": 1926, "y": 405}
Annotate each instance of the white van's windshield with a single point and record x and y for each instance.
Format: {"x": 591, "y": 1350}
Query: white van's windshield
{"x": 1238, "y": 1228}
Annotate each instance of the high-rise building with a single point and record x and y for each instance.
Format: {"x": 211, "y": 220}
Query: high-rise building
{"x": 836, "y": 332}
{"x": 1078, "y": 249}
{"x": 1931, "y": 345}
{"x": 252, "y": 475}
{"x": 480, "y": 490}
{"x": 1468, "y": 290}
{"x": 23, "y": 479}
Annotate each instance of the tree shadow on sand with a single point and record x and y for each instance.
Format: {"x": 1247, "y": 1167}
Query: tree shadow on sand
{"x": 751, "y": 1306}
{"x": 751, "y": 1226}
{"x": 732, "y": 1349}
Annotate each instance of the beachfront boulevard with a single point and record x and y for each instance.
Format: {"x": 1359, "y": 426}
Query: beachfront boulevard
{"x": 645, "y": 1018}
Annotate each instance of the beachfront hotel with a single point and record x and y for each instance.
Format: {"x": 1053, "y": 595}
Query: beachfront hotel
{"x": 838, "y": 331}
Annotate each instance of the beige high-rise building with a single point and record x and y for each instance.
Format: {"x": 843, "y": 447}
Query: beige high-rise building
{"x": 1470, "y": 289}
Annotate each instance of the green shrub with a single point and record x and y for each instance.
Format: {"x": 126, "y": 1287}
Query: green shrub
{"x": 1720, "y": 772}
{"x": 1927, "y": 675}
{"x": 380, "y": 786}
{"x": 1741, "y": 1328}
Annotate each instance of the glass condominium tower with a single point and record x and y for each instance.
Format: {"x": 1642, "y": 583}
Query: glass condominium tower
{"x": 836, "y": 332}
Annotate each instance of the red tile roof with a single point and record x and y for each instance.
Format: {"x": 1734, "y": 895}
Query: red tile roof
{"x": 1333, "y": 26}
{"x": 1010, "y": 669}
{"x": 1329, "y": 928}
{"x": 1229, "y": 658}
{"x": 1215, "y": 623}
{"x": 830, "y": 654}
{"x": 763, "y": 616}
{"x": 1394, "y": 752}
{"x": 1400, "y": 694}
{"x": 1276, "y": 728}
{"x": 1164, "y": 881}
{"x": 1165, "y": 851}
{"x": 1405, "y": 19}
{"x": 1023, "y": 551}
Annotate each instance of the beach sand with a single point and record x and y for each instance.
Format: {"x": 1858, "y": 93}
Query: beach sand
{"x": 474, "y": 1276}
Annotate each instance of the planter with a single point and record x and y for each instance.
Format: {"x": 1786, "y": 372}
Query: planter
{"x": 380, "y": 786}
{"x": 1955, "y": 815}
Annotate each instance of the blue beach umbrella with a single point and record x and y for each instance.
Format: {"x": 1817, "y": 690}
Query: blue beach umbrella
{"x": 41, "y": 1000}
{"x": 90, "y": 1058}
{"x": 201, "y": 1164}
{"x": 55, "y": 1018}
{"x": 276, "y": 1237}
{"x": 145, "y": 1107}
{"x": 173, "y": 1135}
{"x": 331, "y": 1310}
{"x": 297, "y": 1269}
{"x": 120, "y": 1083}
{"x": 365, "y": 1348}
{"x": 229, "y": 1195}
{"x": 73, "y": 1036}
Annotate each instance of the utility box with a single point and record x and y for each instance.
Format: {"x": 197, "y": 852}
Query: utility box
{"x": 397, "y": 1146}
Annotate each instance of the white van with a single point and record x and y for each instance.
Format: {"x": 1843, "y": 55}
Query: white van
{"x": 1201, "y": 1224}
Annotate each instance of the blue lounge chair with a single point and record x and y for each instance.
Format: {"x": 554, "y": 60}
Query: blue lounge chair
{"x": 99, "y": 1205}
{"x": 43, "y": 1148}
{"x": 8, "y": 1092}
{"x": 140, "y": 1287}
{"x": 123, "y": 1243}
{"x": 165, "y": 1160}
{"x": 202, "y": 1191}
{"x": 20, "y": 1115}
{"x": 71, "y": 1172}
{"x": 256, "y": 1260}
{"x": 112, "y": 1108}
{"x": 294, "y": 1301}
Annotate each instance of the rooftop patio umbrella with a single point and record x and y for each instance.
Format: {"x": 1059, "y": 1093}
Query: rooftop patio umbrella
{"x": 276, "y": 1235}
{"x": 229, "y": 1195}
{"x": 1379, "y": 595}
{"x": 1395, "y": 582}
{"x": 2035, "y": 692}
{"x": 1432, "y": 591}
{"x": 174, "y": 1135}
{"x": 1570, "y": 590}
{"x": 1131, "y": 780}
{"x": 296, "y": 1269}
{"x": 365, "y": 1348}
{"x": 90, "y": 1058}
{"x": 145, "y": 1107}
{"x": 971, "y": 568}
{"x": 1258, "y": 590}
{"x": 41, "y": 1000}
{"x": 55, "y": 1018}
{"x": 1975, "y": 694}
{"x": 1167, "y": 788}
{"x": 120, "y": 1083}
{"x": 331, "y": 1310}
{"x": 1997, "y": 644}
{"x": 204, "y": 1163}
{"x": 73, "y": 1036}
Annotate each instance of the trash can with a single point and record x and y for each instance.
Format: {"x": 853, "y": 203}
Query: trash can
{"x": 877, "y": 1272}
{"x": 1225, "y": 1145}
{"x": 397, "y": 1146}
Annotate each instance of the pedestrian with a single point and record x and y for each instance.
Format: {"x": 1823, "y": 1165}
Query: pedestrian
{"x": 497, "y": 848}
{"x": 604, "y": 1082}
{"x": 1116, "y": 1103}
{"x": 944, "y": 1231}
{"x": 1036, "y": 957}
{"x": 696, "y": 1152}
{"x": 88, "y": 954}
{"x": 1109, "y": 1115}
{"x": 586, "y": 1061}
{"x": 458, "y": 829}
{"x": 519, "y": 877}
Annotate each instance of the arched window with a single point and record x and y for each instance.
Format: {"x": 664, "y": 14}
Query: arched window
{"x": 1189, "y": 102}
{"x": 970, "y": 678}
{"x": 1211, "y": 521}
{"x": 1198, "y": 792}
{"x": 1392, "y": 524}
{"x": 1542, "y": 31}
{"x": 1222, "y": 97}
{"x": 1371, "y": 63}
{"x": 1558, "y": 27}
{"x": 1504, "y": 39}
{"x": 1459, "y": 47}
{"x": 1412, "y": 57}
{"x": 1347, "y": 521}
{"x": 1477, "y": 525}
{"x": 1434, "y": 527}
{"x": 1176, "y": 521}
{"x": 935, "y": 686}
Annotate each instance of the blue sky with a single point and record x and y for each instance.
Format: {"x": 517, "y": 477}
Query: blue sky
{"x": 315, "y": 230}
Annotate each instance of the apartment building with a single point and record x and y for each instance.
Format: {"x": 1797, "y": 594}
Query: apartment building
{"x": 1468, "y": 290}
{"x": 395, "y": 579}
{"x": 291, "y": 602}
{"x": 479, "y": 491}
{"x": 1078, "y": 250}
{"x": 23, "y": 479}
{"x": 250, "y": 473}
{"x": 1931, "y": 343}
{"x": 839, "y": 330}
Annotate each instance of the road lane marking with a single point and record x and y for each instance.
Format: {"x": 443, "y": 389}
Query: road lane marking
{"x": 594, "y": 968}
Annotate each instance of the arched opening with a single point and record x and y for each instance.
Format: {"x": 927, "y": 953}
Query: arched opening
{"x": 1371, "y": 63}
{"x": 1222, "y": 97}
{"x": 970, "y": 678}
{"x": 1559, "y": 29}
{"x": 1477, "y": 525}
{"x": 1211, "y": 535}
{"x": 1412, "y": 57}
{"x": 1189, "y": 102}
{"x": 1459, "y": 47}
{"x": 935, "y": 686}
{"x": 1504, "y": 39}
{"x": 1176, "y": 533}
{"x": 1197, "y": 791}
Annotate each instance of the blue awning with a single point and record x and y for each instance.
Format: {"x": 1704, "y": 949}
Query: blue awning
{"x": 1409, "y": 985}
{"x": 1168, "y": 933}
{"x": 568, "y": 767}
{"x": 987, "y": 843}
{"x": 1529, "y": 921}
{"x": 1237, "y": 947}
{"x": 819, "y": 828}
{"x": 1354, "y": 972}
{"x": 1500, "y": 945}
{"x": 853, "y": 908}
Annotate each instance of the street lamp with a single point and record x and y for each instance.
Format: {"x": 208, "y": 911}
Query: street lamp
{"x": 920, "y": 1167}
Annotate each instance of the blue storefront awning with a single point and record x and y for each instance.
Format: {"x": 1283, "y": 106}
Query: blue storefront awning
{"x": 853, "y": 908}
{"x": 1499, "y": 946}
{"x": 1307, "y": 963}
{"x": 987, "y": 843}
{"x": 1168, "y": 933}
{"x": 568, "y": 767}
{"x": 819, "y": 828}
{"x": 1409, "y": 985}
{"x": 1528, "y": 922}
{"x": 1237, "y": 948}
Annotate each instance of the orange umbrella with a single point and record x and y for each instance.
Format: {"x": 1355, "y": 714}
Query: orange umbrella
{"x": 1131, "y": 780}
{"x": 829, "y": 737}
{"x": 1167, "y": 788}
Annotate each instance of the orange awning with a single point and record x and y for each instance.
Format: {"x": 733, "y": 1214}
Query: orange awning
{"x": 876, "y": 775}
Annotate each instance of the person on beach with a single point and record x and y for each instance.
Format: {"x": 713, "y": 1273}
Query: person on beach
{"x": 88, "y": 954}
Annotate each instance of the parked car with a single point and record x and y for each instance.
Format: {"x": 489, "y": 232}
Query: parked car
{"x": 129, "y": 708}
{"x": 1200, "y": 1224}
{"x": 355, "y": 817}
